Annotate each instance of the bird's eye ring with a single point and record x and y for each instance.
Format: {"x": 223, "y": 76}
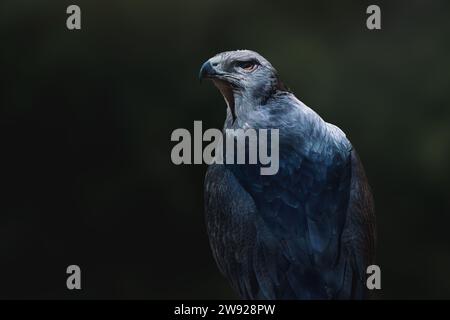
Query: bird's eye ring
{"x": 248, "y": 66}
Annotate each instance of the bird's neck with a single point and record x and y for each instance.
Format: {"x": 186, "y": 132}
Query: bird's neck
{"x": 245, "y": 103}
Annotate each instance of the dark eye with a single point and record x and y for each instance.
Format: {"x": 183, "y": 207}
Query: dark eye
{"x": 247, "y": 66}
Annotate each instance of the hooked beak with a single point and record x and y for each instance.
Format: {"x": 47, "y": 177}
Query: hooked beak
{"x": 207, "y": 71}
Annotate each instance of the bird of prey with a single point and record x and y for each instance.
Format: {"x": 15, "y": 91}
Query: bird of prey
{"x": 307, "y": 232}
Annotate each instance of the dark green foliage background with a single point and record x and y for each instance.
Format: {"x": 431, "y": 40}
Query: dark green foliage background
{"x": 86, "y": 118}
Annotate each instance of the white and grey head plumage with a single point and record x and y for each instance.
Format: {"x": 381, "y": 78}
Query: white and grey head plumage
{"x": 243, "y": 75}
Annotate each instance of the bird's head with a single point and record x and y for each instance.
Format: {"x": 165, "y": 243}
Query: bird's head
{"x": 242, "y": 75}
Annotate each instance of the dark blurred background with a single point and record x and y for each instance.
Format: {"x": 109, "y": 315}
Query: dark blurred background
{"x": 86, "y": 118}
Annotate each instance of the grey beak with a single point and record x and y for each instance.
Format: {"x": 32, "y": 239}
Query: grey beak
{"x": 207, "y": 71}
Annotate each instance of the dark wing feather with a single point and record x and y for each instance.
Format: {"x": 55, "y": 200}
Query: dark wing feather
{"x": 359, "y": 237}
{"x": 305, "y": 233}
{"x": 230, "y": 213}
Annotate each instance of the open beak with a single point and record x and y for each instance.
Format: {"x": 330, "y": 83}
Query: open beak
{"x": 207, "y": 71}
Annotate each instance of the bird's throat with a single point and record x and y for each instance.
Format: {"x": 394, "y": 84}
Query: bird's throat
{"x": 226, "y": 90}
